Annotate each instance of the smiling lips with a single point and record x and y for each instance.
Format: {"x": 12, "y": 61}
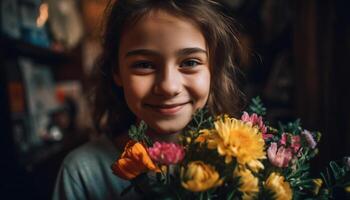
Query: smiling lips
{"x": 167, "y": 109}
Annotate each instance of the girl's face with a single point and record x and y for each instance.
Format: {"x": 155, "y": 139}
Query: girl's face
{"x": 164, "y": 71}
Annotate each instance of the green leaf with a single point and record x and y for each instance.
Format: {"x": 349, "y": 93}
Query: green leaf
{"x": 138, "y": 133}
{"x": 336, "y": 170}
{"x": 256, "y": 106}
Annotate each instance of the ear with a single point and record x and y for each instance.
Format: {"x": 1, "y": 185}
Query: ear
{"x": 117, "y": 79}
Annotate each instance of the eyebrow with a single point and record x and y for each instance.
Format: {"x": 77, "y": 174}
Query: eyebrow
{"x": 181, "y": 52}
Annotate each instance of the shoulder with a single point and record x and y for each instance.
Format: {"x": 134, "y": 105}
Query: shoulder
{"x": 86, "y": 173}
{"x": 92, "y": 154}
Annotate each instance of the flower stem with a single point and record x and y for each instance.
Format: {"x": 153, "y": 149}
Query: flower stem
{"x": 167, "y": 174}
{"x": 201, "y": 196}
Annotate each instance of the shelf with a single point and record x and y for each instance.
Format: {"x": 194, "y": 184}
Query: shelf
{"x": 14, "y": 47}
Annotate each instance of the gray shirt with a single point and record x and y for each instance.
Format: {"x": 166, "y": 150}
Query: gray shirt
{"x": 86, "y": 174}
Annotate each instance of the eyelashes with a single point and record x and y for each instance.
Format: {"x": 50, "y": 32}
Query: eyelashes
{"x": 190, "y": 63}
{"x": 149, "y": 65}
{"x": 143, "y": 65}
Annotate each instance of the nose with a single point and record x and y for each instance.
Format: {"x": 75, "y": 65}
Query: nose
{"x": 168, "y": 82}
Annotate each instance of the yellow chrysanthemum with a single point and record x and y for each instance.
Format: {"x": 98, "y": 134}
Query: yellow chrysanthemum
{"x": 198, "y": 177}
{"x": 234, "y": 138}
{"x": 249, "y": 183}
{"x": 279, "y": 187}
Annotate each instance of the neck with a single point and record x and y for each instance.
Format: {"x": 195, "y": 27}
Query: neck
{"x": 165, "y": 137}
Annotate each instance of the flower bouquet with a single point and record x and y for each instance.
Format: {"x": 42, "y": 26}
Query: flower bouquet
{"x": 220, "y": 157}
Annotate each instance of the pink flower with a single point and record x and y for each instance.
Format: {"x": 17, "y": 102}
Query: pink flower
{"x": 267, "y": 136}
{"x": 295, "y": 143}
{"x": 280, "y": 157}
{"x": 255, "y": 120}
{"x": 166, "y": 153}
{"x": 309, "y": 139}
{"x": 284, "y": 139}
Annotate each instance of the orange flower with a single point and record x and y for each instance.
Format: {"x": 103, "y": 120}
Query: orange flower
{"x": 134, "y": 161}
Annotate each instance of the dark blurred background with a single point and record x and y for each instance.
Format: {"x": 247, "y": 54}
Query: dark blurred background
{"x": 298, "y": 64}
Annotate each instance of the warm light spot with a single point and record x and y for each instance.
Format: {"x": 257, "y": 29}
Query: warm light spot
{"x": 43, "y": 15}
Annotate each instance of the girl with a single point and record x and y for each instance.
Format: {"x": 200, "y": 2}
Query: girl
{"x": 162, "y": 60}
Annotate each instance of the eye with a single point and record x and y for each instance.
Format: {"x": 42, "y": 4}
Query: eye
{"x": 143, "y": 65}
{"x": 190, "y": 64}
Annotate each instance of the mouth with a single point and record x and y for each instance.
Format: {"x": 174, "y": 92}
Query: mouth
{"x": 167, "y": 109}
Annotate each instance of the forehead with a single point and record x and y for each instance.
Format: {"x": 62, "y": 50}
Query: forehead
{"x": 157, "y": 16}
{"x": 160, "y": 27}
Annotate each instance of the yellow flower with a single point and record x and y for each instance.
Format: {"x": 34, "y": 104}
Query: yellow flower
{"x": 200, "y": 177}
{"x": 318, "y": 183}
{"x": 235, "y": 139}
{"x": 249, "y": 183}
{"x": 279, "y": 187}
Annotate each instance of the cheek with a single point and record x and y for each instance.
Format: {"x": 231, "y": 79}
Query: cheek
{"x": 136, "y": 89}
{"x": 200, "y": 88}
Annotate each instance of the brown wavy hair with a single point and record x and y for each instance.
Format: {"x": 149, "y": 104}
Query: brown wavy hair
{"x": 111, "y": 113}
